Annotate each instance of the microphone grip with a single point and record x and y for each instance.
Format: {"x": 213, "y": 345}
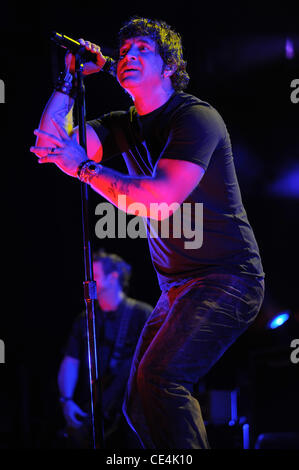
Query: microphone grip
{"x": 109, "y": 66}
{"x": 75, "y": 47}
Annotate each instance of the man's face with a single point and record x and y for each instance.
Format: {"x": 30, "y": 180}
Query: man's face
{"x": 99, "y": 275}
{"x": 139, "y": 64}
{"x": 105, "y": 282}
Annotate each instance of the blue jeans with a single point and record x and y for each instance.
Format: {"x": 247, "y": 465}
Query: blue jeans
{"x": 191, "y": 327}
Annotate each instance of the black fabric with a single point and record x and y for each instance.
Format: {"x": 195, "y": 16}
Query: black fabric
{"x": 107, "y": 328}
{"x": 187, "y": 128}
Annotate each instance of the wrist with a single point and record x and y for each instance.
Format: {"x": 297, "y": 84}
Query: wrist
{"x": 66, "y": 84}
{"x": 64, "y": 400}
{"x": 109, "y": 66}
{"x": 87, "y": 170}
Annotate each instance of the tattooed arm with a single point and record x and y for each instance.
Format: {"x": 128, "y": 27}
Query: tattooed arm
{"x": 172, "y": 180}
{"x": 171, "y": 183}
{"x": 60, "y": 107}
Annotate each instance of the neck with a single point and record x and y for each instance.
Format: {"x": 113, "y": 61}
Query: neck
{"x": 147, "y": 102}
{"x": 110, "y": 301}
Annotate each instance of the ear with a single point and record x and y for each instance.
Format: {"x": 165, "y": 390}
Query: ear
{"x": 114, "y": 275}
{"x": 169, "y": 70}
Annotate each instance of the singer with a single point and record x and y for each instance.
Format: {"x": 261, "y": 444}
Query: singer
{"x": 177, "y": 149}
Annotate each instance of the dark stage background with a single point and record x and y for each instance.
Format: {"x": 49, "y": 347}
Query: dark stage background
{"x": 237, "y": 61}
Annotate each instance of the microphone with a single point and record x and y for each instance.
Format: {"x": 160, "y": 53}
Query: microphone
{"x": 75, "y": 47}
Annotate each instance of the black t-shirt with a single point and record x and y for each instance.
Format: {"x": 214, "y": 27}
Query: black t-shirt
{"x": 116, "y": 341}
{"x": 187, "y": 128}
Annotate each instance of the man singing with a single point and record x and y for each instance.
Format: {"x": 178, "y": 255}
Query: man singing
{"x": 177, "y": 150}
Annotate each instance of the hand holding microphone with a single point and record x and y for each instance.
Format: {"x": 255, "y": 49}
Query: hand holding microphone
{"x": 66, "y": 86}
{"x": 89, "y": 67}
{"x": 92, "y": 57}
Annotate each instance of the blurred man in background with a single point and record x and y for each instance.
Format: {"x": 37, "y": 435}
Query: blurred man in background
{"x": 118, "y": 323}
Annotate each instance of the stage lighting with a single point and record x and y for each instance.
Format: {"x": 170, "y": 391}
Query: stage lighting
{"x": 278, "y": 320}
{"x": 274, "y": 314}
{"x": 289, "y": 49}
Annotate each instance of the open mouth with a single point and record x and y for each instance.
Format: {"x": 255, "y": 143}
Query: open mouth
{"x": 130, "y": 70}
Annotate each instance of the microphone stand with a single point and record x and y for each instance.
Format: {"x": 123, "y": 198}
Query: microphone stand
{"x": 90, "y": 291}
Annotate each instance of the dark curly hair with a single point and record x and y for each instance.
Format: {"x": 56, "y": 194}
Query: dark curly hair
{"x": 168, "y": 42}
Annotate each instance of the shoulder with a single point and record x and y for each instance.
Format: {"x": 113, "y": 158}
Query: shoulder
{"x": 188, "y": 105}
{"x": 109, "y": 119}
{"x": 183, "y": 101}
{"x": 191, "y": 114}
{"x": 78, "y": 323}
{"x": 139, "y": 307}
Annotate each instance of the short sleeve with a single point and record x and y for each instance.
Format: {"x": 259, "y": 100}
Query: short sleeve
{"x": 75, "y": 342}
{"x": 195, "y": 133}
{"x": 108, "y": 129}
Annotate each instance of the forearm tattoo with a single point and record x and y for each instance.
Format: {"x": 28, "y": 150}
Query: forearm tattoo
{"x": 111, "y": 184}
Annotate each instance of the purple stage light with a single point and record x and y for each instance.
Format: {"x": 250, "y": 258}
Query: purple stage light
{"x": 289, "y": 49}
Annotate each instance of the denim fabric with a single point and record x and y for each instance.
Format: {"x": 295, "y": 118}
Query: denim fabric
{"x": 190, "y": 328}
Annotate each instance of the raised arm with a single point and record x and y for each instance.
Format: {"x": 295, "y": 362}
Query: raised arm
{"x": 60, "y": 107}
